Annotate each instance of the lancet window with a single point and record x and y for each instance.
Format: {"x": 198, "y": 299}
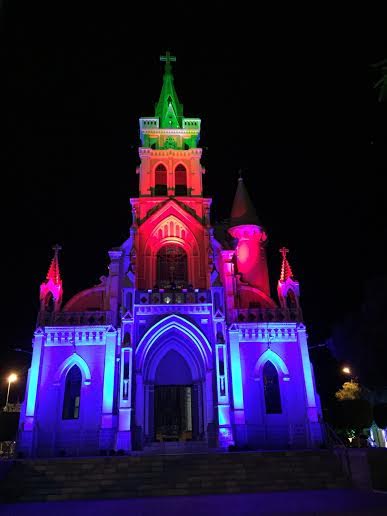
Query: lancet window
{"x": 180, "y": 180}
{"x": 161, "y": 180}
{"x": 271, "y": 389}
{"x": 72, "y": 394}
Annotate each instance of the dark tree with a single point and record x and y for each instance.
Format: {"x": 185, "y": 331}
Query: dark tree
{"x": 380, "y": 415}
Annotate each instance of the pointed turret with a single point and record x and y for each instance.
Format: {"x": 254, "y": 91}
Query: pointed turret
{"x": 250, "y": 252}
{"x": 286, "y": 270}
{"x": 243, "y": 211}
{"x": 54, "y": 272}
{"x": 51, "y": 290}
{"x": 168, "y": 109}
{"x": 288, "y": 288}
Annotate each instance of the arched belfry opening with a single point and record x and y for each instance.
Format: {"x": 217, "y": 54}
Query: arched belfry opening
{"x": 161, "y": 180}
{"x": 172, "y": 266}
{"x": 181, "y": 180}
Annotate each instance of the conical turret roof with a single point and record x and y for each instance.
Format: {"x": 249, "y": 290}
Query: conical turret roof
{"x": 54, "y": 272}
{"x": 243, "y": 211}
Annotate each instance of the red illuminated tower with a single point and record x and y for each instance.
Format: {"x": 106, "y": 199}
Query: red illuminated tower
{"x": 170, "y": 216}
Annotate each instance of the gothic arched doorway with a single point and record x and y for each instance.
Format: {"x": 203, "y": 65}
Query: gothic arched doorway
{"x": 174, "y": 382}
{"x": 173, "y": 405}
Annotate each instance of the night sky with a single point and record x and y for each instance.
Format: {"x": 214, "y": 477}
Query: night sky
{"x": 287, "y": 96}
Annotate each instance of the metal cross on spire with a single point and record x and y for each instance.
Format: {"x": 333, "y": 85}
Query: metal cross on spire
{"x": 57, "y": 248}
{"x": 168, "y": 59}
{"x": 284, "y": 252}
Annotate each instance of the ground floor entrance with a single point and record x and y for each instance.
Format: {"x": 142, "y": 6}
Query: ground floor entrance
{"x": 173, "y": 414}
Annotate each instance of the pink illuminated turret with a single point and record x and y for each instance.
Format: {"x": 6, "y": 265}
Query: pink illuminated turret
{"x": 250, "y": 251}
{"x": 288, "y": 288}
{"x": 51, "y": 291}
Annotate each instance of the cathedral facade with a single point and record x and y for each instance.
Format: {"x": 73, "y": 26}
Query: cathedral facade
{"x": 182, "y": 341}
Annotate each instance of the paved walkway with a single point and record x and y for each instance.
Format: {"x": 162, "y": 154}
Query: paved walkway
{"x": 338, "y": 502}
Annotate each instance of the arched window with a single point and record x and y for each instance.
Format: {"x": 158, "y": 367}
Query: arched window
{"x": 172, "y": 267}
{"x": 271, "y": 389}
{"x": 72, "y": 395}
{"x": 161, "y": 180}
{"x": 49, "y": 303}
{"x": 291, "y": 300}
{"x": 180, "y": 180}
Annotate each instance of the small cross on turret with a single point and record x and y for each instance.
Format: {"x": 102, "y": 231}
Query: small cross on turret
{"x": 284, "y": 252}
{"x": 56, "y": 248}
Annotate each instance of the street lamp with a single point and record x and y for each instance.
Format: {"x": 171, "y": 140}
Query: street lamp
{"x": 11, "y": 379}
{"x": 346, "y": 370}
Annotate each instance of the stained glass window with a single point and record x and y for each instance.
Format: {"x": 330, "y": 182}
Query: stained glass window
{"x": 172, "y": 270}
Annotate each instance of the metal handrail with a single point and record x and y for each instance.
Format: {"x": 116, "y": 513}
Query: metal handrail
{"x": 335, "y": 443}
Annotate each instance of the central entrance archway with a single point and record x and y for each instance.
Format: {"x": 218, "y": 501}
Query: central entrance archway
{"x": 174, "y": 399}
{"x": 173, "y": 413}
{"x": 173, "y": 410}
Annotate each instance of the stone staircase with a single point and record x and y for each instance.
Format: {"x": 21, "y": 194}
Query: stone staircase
{"x": 178, "y": 448}
{"x": 170, "y": 475}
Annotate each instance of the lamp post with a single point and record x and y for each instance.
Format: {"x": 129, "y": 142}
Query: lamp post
{"x": 11, "y": 379}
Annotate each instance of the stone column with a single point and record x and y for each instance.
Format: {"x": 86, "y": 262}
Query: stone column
{"x": 106, "y": 432}
{"x": 237, "y": 386}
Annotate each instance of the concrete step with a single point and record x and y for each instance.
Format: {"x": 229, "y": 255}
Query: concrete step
{"x": 170, "y": 474}
{"x": 178, "y": 448}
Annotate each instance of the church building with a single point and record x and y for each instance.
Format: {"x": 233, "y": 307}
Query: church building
{"x": 182, "y": 341}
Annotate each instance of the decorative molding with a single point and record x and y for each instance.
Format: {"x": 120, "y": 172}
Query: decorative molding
{"x": 70, "y": 361}
{"x": 197, "y": 309}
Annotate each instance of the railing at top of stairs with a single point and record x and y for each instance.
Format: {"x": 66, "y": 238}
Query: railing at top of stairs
{"x": 337, "y": 445}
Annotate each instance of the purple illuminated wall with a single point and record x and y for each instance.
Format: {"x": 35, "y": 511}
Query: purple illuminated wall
{"x": 213, "y": 328}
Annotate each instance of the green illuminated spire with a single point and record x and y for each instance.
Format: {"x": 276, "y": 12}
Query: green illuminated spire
{"x": 168, "y": 109}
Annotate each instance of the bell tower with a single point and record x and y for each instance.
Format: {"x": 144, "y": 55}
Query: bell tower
{"x": 170, "y": 216}
{"x": 170, "y": 159}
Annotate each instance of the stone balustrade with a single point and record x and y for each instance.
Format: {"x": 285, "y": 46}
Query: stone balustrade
{"x": 267, "y": 315}
{"x": 172, "y": 297}
{"x": 75, "y": 318}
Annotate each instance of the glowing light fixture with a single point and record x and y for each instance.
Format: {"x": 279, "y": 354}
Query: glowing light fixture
{"x": 11, "y": 379}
